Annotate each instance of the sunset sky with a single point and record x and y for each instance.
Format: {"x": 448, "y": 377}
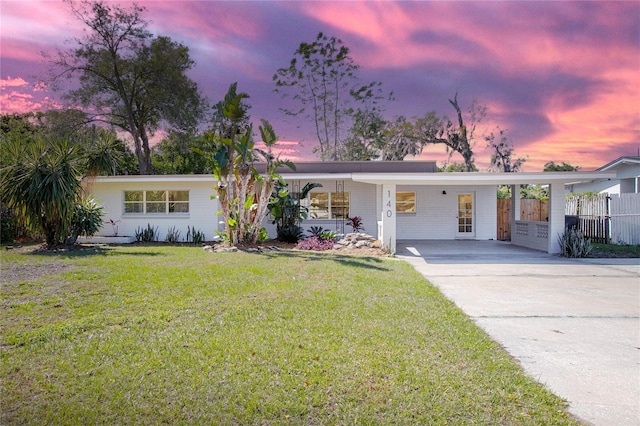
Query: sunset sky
{"x": 562, "y": 77}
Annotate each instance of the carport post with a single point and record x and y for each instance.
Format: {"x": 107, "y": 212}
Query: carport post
{"x": 556, "y": 216}
{"x": 515, "y": 205}
{"x": 388, "y": 236}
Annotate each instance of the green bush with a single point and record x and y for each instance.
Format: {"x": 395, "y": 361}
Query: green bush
{"x": 147, "y": 235}
{"x": 7, "y": 225}
{"x": 195, "y": 236}
{"x": 573, "y": 243}
{"x": 86, "y": 219}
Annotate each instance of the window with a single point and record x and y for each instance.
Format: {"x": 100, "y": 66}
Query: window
{"x": 405, "y": 202}
{"x": 156, "y": 202}
{"x": 328, "y": 205}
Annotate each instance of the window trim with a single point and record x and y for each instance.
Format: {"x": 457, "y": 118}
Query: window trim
{"x": 168, "y": 203}
{"x": 330, "y": 206}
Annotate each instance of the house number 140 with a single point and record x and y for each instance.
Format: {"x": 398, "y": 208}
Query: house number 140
{"x": 388, "y": 204}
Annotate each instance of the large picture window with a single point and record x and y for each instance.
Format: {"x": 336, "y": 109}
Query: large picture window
{"x": 328, "y": 205}
{"x": 156, "y": 202}
{"x": 405, "y": 202}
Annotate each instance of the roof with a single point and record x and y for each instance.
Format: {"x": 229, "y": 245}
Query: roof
{"x": 391, "y": 172}
{"x": 618, "y": 162}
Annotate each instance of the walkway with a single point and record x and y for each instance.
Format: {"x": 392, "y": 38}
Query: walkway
{"x": 572, "y": 324}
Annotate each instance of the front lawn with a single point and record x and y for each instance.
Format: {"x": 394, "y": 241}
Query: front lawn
{"x": 175, "y": 335}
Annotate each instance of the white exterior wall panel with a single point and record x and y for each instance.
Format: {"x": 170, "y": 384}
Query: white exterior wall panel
{"x": 436, "y": 213}
{"x": 202, "y": 209}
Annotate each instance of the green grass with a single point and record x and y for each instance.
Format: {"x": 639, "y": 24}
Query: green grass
{"x": 176, "y": 335}
{"x": 614, "y": 250}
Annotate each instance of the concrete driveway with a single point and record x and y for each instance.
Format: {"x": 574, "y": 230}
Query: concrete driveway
{"x": 573, "y": 324}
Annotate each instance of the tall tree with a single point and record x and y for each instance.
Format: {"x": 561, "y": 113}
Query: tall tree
{"x": 502, "y": 153}
{"x": 244, "y": 187}
{"x": 457, "y": 136}
{"x": 132, "y": 80}
{"x": 322, "y": 81}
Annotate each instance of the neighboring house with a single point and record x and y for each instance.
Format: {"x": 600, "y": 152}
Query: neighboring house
{"x": 627, "y": 170}
{"x": 398, "y": 200}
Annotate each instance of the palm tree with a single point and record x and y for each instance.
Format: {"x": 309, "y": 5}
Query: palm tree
{"x": 41, "y": 179}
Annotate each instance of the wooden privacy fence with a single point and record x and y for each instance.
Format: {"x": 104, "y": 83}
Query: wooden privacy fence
{"x": 530, "y": 210}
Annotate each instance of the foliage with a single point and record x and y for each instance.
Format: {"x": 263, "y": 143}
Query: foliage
{"x": 173, "y": 235}
{"x": 564, "y": 167}
{"x": 243, "y": 192}
{"x": 44, "y": 167}
{"x": 504, "y": 192}
{"x": 166, "y": 335}
{"x": 8, "y": 224}
{"x": 537, "y": 192}
{"x": 147, "y": 235}
{"x": 502, "y": 156}
{"x": 454, "y": 167}
{"x": 573, "y": 243}
{"x": 41, "y": 183}
{"x": 287, "y": 212}
{"x": 355, "y": 223}
{"x": 86, "y": 219}
{"x": 195, "y": 236}
{"x": 182, "y": 153}
{"x": 457, "y": 137}
{"x": 322, "y": 81}
{"x": 314, "y": 243}
{"x": 128, "y": 78}
{"x": 322, "y": 234}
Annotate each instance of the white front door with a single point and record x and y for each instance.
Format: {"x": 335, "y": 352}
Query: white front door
{"x": 466, "y": 226}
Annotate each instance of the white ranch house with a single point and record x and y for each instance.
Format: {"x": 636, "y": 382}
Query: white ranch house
{"x": 404, "y": 200}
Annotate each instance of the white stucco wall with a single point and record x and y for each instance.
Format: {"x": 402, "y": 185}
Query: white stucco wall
{"x": 362, "y": 202}
{"x": 436, "y": 213}
{"x": 202, "y": 209}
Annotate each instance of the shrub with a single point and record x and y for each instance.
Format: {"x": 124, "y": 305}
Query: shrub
{"x": 355, "y": 223}
{"x": 573, "y": 243}
{"x": 315, "y": 243}
{"x": 195, "y": 236}
{"x": 86, "y": 219}
{"x": 173, "y": 235}
{"x": 147, "y": 235}
{"x": 7, "y": 225}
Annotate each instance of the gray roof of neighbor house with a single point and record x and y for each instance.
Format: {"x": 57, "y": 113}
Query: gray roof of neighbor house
{"x": 618, "y": 161}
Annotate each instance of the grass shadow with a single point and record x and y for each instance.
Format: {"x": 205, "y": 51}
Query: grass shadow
{"x": 91, "y": 251}
{"x": 368, "y": 262}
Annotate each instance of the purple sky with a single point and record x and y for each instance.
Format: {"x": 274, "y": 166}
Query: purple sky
{"x": 562, "y": 77}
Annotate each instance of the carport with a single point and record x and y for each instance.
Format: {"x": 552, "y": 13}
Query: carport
{"x": 536, "y": 235}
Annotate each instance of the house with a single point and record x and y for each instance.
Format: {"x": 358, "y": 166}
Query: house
{"x": 627, "y": 170}
{"x": 397, "y": 200}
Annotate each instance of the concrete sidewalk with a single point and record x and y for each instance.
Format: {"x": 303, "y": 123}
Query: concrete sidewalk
{"x": 572, "y": 324}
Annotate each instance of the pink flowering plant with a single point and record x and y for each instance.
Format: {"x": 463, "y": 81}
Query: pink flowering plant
{"x": 315, "y": 243}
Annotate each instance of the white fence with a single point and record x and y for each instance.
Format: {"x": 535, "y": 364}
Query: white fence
{"x": 607, "y": 218}
{"x": 625, "y": 218}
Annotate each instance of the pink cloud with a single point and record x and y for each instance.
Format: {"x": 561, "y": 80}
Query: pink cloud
{"x": 12, "y": 82}
{"x": 18, "y": 103}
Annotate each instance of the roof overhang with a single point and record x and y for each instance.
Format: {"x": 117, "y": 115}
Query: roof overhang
{"x": 458, "y": 178}
{"x": 447, "y": 179}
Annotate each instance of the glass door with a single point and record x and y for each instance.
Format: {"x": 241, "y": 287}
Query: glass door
{"x": 465, "y": 216}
